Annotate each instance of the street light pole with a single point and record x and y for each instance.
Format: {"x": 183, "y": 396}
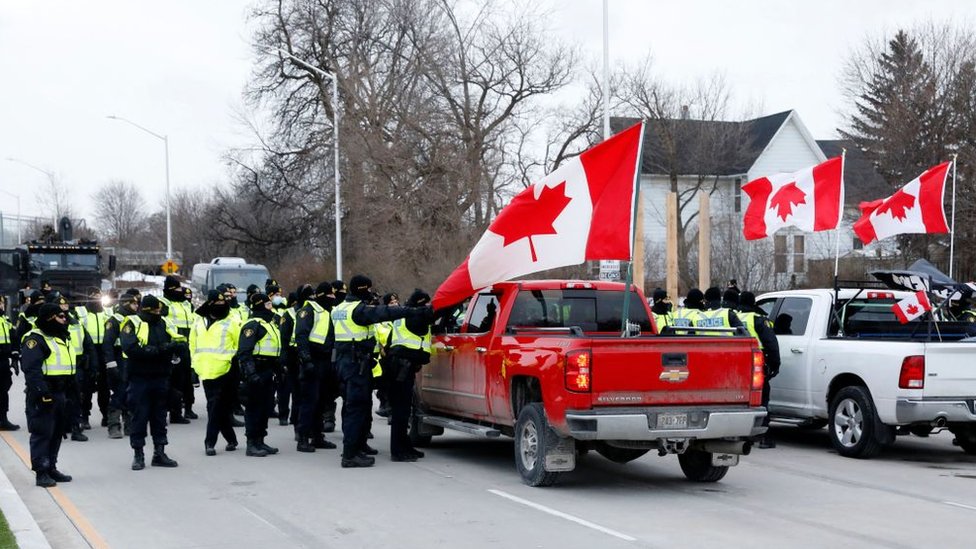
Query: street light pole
{"x": 165, "y": 140}
{"x": 335, "y": 137}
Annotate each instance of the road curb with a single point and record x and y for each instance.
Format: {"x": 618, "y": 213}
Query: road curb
{"x": 21, "y": 521}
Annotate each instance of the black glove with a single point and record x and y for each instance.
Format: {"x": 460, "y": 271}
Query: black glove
{"x": 15, "y": 364}
{"x": 772, "y": 372}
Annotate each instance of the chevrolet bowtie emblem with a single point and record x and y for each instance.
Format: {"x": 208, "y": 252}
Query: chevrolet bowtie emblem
{"x": 674, "y": 375}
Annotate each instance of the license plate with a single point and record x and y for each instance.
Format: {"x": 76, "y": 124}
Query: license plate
{"x": 672, "y": 421}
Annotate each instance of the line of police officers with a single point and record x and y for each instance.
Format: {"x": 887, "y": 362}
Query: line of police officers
{"x": 715, "y": 309}
{"x": 138, "y": 363}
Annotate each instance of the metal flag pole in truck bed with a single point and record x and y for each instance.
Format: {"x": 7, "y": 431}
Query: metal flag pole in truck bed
{"x": 625, "y": 316}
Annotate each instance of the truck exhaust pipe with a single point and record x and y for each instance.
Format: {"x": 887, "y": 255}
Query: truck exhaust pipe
{"x": 940, "y": 422}
{"x": 726, "y": 447}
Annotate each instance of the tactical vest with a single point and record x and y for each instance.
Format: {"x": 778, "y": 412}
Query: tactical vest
{"x": 61, "y": 360}
{"x": 120, "y": 319}
{"x": 663, "y": 320}
{"x": 403, "y": 337}
{"x": 685, "y": 317}
{"x": 213, "y": 347}
{"x": 180, "y": 313}
{"x": 94, "y": 323}
{"x": 4, "y": 330}
{"x": 383, "y": 332}
{"x": 749, "y": 319}
{"x": 714, "y": 318}
{"x": 290, "y": 313}
{"x": 345, "y": 327}
{"x": 77, "y": 337}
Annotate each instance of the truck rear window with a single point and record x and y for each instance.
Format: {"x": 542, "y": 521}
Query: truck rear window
{"x": 591, "y": 310}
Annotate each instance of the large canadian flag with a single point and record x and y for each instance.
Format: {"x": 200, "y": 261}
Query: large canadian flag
{"x": 915, "y": 208}
{"x": 583, "y": 210}
{"x": 810, "y": 199}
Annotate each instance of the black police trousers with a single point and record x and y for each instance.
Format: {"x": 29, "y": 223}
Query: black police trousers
{"x": 148, "y": 404}
{"x": 6, "y": 381}
{"x": 310, "y": 389}
{"x": 260, "y": 398}
{"x": 357, "y": 403}
{"x": 47, "y": 423}
{"x": 221, "y": 395}
{"x": 400, "y": 393}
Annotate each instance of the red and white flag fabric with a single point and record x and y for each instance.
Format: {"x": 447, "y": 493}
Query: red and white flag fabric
{"x": 582, "y": 211}
{"x": 811, "y": 199}
{"x": 915, "y": 208}
{"x": 912, "y": 307}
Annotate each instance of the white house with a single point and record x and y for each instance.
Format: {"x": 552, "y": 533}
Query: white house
{"x": 719, "y": 157}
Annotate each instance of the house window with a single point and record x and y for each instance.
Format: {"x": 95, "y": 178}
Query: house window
{"x": 858, "y": 245}
{"x": 780, "y": 253}
{"x": 737, "y": 194}
{"x": 799, "y": 254}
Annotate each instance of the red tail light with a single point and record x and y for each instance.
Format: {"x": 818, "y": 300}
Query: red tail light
{"x": 578, "y": 371}
{"x": 758, "y": 377}
{"x": 912, "y": 373}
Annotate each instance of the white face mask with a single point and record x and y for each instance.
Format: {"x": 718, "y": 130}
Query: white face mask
{"x": 277, "y": 300}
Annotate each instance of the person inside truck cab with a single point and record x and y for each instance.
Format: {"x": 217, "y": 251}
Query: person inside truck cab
{"x": 783, "y": 324}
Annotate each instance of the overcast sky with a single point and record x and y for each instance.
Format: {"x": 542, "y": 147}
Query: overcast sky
{"x": 178, "y": 68}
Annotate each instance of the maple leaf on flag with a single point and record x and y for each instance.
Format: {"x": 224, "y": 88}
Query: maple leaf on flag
{"x": 785, "y": 198}
{"x": 912, "y": 309}
{"x": 897, "y": 204}
{"x": 527, "y": 216}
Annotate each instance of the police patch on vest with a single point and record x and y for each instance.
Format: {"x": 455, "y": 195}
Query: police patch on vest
{"x": 711, "y": 322}
{"x": 248, "y": 332}
{"x": 339, "y": 315}
{"x": 303, "y": 314}
{"x": 127, "y": 329}
{"x": 31, "y": 343}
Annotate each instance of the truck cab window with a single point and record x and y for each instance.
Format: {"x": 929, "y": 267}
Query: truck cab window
{"x": 483, "y": 314}
{"x": 793, "y": 316}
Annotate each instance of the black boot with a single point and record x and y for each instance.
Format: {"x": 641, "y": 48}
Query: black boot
{"x": 415, "y": 452}
{"x": 358, "y": 460}
{"x": 271, "y": 450}
{"x": 77, "y": 435}
{"x": 160, "y": 459}
{"x": 321, "y": 442}
{"x": 305, "y": 445}
{"x": 254, "y": 449}
{"x": 329, "y": 424}
{"x": 138, "y": 459}
{"x": 190, "y": 414}
{"x": 177, "y": 418}
{"x": 58, "y": 476}
{"x": 44, "y": 480}
{"x": 85, "y": 425}
{"x": 5, "y": 424}
{"x": 369, "y": 450}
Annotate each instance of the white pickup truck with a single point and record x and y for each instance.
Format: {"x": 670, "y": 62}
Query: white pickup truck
{"x": 873, "y": 379}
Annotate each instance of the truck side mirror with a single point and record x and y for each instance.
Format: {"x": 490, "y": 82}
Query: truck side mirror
{"x": 111, "y": 263}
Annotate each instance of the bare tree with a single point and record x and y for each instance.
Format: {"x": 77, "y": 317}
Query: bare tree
{"x": 119, "y": 212}
{"x": 54, "y": 198}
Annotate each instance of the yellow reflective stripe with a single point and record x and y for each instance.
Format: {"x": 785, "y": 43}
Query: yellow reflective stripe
{"x": 61, "y": 361}
{"x": 4, "y": 331}
{"x": 685, "y": 317}
{"x": 320, "y": 324}
{"x": 345, "y": 327}
{"x": 294, "y": 324}
{"x": 77, "y": 336}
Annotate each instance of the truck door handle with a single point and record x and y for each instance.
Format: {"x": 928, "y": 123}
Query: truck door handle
{"x": 796, "y": 351}
{"x": 448, "y": 347}
{"x": 481, "y": 349}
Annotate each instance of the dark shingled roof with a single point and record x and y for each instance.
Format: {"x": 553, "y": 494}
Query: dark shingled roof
{"x": 861, "y": 181}
{"x": 704, "y": 147}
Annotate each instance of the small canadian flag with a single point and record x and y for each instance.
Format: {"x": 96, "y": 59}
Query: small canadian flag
{"x": 912, "y": 307}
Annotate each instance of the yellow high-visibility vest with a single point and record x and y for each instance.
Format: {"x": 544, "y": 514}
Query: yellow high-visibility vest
{"x": 403, "y": 337}
{"x": 714, "y": 318}
{"x": 180, "y": 313}
{"x": 290, "y": 313}
{"x": 345, "y": 327}
{"x": 663, "y": 321}
{"x": 4, "y": 330}
{"x": 270, "y": 344}
{"x": 61, "y": 361}
{"x": 321, "y": 324}
{"x": 76, "y": 334}
{"x": 213, "y": 347}
{"x": 685, "y": 317}
{"x": 94, "y": 323}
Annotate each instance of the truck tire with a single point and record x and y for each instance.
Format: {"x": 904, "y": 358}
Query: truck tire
{"x": 619, "y": 455}
{"x": 854, "y": 429}
{"x": 697, "y": 466}
{"x": 531, "y": 431}
{"x": 965, "y": 438}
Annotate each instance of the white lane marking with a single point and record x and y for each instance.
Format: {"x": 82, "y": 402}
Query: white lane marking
{"x": 970, "y": 507}
{"x": 562, "y": 515}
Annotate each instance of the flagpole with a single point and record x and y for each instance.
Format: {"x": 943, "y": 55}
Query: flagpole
{"x": 952, "y": 227}
{"x": 843, "y": 157}
{"x": 625, "y": 320}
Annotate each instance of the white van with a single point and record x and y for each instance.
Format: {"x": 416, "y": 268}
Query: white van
{"x": 227, "y": 270}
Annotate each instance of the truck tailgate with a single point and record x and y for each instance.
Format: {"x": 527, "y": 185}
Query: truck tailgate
{"x": 950, "y": 369}
{"x": 671, "y": 371}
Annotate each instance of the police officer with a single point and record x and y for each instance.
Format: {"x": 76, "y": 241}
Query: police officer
{"x": 761, "y": 328}
{"x": 48, "y": 362}
{"x": 289, "y": 358}
{"x": 409, "y": 351}
{"x": 339, "y": 291}
{"x": 259, "y": 355}
{"x": 282, "y": 387}
{"x": 26, "y": 318}
{"x": 180, "y": 314}
{"x": 9, "y": 365}
{"x": 152, "y": 347}
{"x": 688, "y": 314}
{"x": 354, "y": 348}
{"x": 213, "y": 342}
{"x": 82, "y": 346}
{"x": 715, "y": 315}
{"x": 116, "y": 373}
{"x": 317, "y": 380}
{"x": 92, "y": 318}
{"x": 661, "y": 309}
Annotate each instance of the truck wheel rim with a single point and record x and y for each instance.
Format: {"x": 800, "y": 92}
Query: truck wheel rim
{"x": 529, "y": 446}
{"x": 848, "y": 423}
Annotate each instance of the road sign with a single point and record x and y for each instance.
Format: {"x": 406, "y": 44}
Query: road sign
{"x": 609, "y": 269}
{"x": 170, "y": 267}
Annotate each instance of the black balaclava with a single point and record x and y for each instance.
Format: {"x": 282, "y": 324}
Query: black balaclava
{"x": 125, "y": 305}
{"x": 660, "y": 306}
{"x": 303, "y": 294}
{"x": 172, "y": 290}
{"x": 217, "y": 306}
{"x": 339, "y": 290}
{"x": 257, "y": 303}
{"x": 359, "y": 288}
{"x": 747, "y": 300}
{"x": 151, "y": 309}
{"x": 730, "y": 298}
{"x": 713, "y": 298}
{"x": 324, "y": 296}
{"x": 418, "y": 298}
{"x": 49, "y": 324}
{"x": 694, "y": 299}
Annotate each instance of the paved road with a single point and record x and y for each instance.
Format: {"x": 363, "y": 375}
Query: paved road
{"x": 466, "y": 494}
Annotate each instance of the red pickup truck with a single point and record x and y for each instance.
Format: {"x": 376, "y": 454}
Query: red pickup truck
{"x": 544, "y": 362}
